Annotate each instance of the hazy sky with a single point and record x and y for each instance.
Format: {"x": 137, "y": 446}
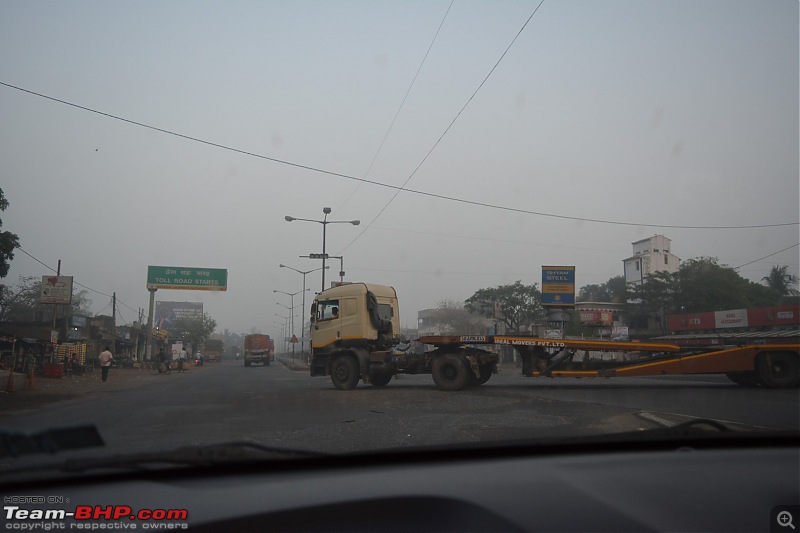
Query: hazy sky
{"x": 670, "y": 113}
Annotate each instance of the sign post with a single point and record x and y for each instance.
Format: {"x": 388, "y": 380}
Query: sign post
{"x": 198, "y": 279}
{"x": 191, "y": 278}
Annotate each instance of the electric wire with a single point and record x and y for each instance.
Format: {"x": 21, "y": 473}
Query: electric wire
{"x": 767, "y": 256}
{"x": 391, "y": 125}
{"x": 120, "y": 302}
{"x": 447, "y": 129}
{"x": 397, "y": 187}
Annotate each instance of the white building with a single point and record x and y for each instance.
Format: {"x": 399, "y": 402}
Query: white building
{"x": 650, "y": 255}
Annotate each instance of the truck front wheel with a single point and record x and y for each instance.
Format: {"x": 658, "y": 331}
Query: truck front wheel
{"x": 344, "y": 372}
{"x": 450, "y": 372}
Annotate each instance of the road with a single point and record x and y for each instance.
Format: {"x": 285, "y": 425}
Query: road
{"x": 279, "y": 407}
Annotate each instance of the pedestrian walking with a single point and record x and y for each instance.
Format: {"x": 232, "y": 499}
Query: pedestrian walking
{"x": 182, "y": 358}
{"x": 162, "y": 360}
{"x": 105, "y": 361}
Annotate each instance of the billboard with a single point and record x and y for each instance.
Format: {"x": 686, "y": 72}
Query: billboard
{"x": 199, "y": 279}
{"x": 558, "y": 286}
{"x": 56, "y": 290}
{"x": 167, "y": 313}
{"x": 596, "y": 318}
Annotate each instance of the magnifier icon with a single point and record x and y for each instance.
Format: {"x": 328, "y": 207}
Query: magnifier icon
{"x": 785, "y": 519}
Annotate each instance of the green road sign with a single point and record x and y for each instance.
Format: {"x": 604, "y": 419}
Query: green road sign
{"x": 198, "y": 279}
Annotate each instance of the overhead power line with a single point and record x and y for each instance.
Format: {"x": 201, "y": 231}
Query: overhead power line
{"x": 767, "y": 256}
{"x": 447, "y": 129}
{"x": 76, "y": 283}
{"x": 397, "y": 187}
{"x": 402, "y": 103}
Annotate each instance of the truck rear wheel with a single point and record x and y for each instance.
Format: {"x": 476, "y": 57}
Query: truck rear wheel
{"x": 450, "y": 372}
{"x": 778, "y": 370}
{"x": 344, "y": 372}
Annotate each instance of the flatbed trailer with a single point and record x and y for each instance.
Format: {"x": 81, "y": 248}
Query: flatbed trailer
{"x": 354, "y": 337}
{"x": 771, "y": 365}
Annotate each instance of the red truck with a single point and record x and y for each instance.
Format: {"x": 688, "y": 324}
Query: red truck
{"x": 258, "y": 349}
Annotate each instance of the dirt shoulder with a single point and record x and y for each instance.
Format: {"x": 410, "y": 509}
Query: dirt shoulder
{"x": 48, "y": 391}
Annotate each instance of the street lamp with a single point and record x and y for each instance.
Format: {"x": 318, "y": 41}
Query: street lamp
{"x": 324, "y": 222}
{"x": 339, "y": 257}
{"x": 291, "y": 310}
{"x": 285, "y": 328}
{"x": 302, "y": 320}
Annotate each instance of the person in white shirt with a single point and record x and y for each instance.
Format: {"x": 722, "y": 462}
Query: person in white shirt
{"x": 105, "y": 361}
{"x": 182, "y": 358}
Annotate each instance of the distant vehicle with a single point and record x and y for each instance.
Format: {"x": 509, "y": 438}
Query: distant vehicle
{"x": 258, "y": 349}
{"x": 198, "y": 359}
{"x": 213, "y": 350}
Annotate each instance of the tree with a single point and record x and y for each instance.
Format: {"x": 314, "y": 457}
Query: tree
{"x": 654, "y": 298}
{"x": 705, "y": 285}
{"x": 614, "y": 290}
{"x": 21, "y": 302}
{"x": 514, "y": 305}
{"x": 454, "y": 319}
{"x": 8, "y": 241}
{"x": 194, "y": 330}
{"x": 782, "y": 281}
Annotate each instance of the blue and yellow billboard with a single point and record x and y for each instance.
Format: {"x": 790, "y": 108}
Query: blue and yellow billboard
{"x": 558, "y": 286}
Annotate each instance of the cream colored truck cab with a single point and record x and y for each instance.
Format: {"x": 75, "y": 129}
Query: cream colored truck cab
{"x": 353, "y": 329}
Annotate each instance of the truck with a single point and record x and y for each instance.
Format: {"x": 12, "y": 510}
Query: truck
{"x": 213, "y": 350}
{"x": 355, "y": 337}
{"x": 258, "y": 349}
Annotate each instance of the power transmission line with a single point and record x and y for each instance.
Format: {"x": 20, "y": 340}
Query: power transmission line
{"x": 75, "y": 282}
{"x": 397, "y": 187}
{"x": 447, "y": 129}
{"x": 766, "y": 256}
{"x": 391, "y": 126}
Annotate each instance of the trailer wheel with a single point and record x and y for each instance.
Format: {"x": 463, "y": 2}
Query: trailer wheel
{"x": 779, "y": 370}
{"x": 380, "y": 379}
{"x": 450, "y": 372}
{"x": 745, "y": 379}
{"x": 344, "y": 372}
{"x": 247, "y": 363}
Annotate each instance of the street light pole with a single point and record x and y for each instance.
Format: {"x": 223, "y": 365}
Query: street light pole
{"x": 303, "y": 316}
{"x": 324, "y": 222}
{"x": 291, "y": 295}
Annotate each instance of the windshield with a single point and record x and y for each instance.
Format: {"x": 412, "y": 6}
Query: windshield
{"x": 382, "y": 225}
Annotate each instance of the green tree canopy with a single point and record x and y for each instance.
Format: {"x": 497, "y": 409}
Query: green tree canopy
{"x": 8, "y": 242}
{"x": 700, "y": 285}
{"x": 194, "y": 330}
{"x": 614, "y": 290}
{"x": 514, "y": 305}
{"x": 781, "y": 280}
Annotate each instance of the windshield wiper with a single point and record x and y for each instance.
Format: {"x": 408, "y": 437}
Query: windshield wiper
{"x": 49, "y": 441}
{"x": 208, "y": 455}
{"x": 190, "y": 456}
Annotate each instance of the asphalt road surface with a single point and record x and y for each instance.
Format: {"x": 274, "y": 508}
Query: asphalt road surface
{"x": 276, "y": 406}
